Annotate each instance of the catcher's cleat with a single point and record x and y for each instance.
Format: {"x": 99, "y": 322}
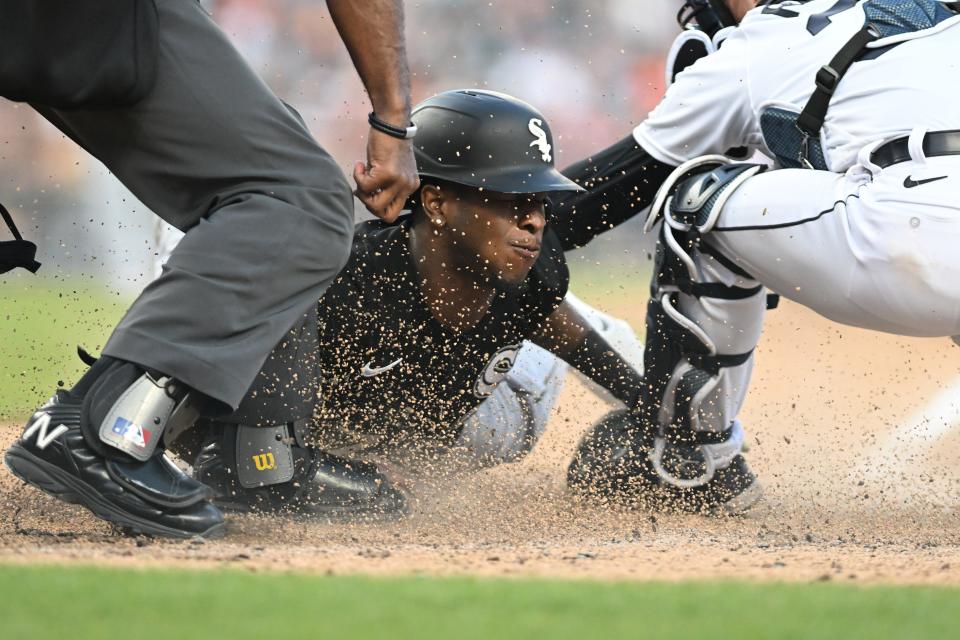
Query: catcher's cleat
{"x": 613, "y": 463}
{"x": 318, "y": 484}
{"x": 152, "y": 497}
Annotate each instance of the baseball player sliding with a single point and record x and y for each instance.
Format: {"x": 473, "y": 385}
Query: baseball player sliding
{"x": 420, "y": 345}
{"x": 859, "y": 220}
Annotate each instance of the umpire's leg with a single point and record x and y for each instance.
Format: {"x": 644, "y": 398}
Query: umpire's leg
{"x": 268, "y": 213}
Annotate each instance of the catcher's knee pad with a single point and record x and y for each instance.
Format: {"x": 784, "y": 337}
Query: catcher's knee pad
{"x": 695, "y": 356}
{"x": 692, "y": 197}
{"x": 129, "y": 409}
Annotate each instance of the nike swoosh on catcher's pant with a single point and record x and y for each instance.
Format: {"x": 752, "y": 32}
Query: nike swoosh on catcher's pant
{"x": 910, "y": 183}
{"x": 370, "y": 371}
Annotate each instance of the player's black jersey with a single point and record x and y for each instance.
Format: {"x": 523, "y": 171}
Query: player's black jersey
{"x": 389, "y": 367}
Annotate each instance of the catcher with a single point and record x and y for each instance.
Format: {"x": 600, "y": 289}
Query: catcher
{"x": 859, "y": 221}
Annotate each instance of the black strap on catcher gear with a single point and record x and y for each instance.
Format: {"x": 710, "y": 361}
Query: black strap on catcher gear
{"x": 17, "y": 252}
{"x": 717, "y": 290}
{"x": 713, "y": 252}
{"x": 682, "y": 435}
{"x": 88, "y": 358}
{"x": 713, "y": 364}
{"x": 773, "y": 299}
{"x": 814, "y": 113}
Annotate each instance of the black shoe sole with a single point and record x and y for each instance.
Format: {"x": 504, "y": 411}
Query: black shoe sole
{"x": 54, "y": 481}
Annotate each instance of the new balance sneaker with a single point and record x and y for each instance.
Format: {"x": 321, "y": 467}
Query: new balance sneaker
{"x": 153, "y": 497}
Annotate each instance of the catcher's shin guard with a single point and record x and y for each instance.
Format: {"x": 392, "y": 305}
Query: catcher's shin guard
{"x": 62, "y": 452}
{"x": 703, "y": 321}
{"x": 271, "y": 470}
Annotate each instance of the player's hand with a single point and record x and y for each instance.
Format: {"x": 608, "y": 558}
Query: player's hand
{"x": 388, "y": 177}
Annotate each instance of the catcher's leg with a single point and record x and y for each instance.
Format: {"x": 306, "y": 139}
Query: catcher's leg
{"x": 703, "y": 321}
{"x": 865, "y": 248}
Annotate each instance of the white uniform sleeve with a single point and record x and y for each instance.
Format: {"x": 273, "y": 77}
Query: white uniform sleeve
{"x": 707, "y": 110}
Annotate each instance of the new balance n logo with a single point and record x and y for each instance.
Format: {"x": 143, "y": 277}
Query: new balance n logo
{"x": 40, "y": 426}
{"x": 264, "y": 461}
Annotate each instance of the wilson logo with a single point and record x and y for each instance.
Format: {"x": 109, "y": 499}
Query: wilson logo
{"x": 40, "y": 425}
{"x": 264, "y": 461}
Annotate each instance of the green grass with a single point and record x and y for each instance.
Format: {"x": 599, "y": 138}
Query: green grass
{"x": 601, "y": 285}
{"x": 41, "y": 324}
{"x": 58, "y": 602}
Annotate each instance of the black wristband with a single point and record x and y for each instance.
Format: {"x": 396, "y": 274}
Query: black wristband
{"x": 387, "y": 128}
{"x": 596, "y": 359}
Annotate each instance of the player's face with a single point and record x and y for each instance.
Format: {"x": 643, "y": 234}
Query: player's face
{"x": 499, "y": 233}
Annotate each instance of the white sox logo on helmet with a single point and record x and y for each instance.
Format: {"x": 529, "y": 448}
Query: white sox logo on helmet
{"x": 541, "y": 141}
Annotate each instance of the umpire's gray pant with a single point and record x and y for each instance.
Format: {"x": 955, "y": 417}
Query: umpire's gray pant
{"x": 268, "y": 213}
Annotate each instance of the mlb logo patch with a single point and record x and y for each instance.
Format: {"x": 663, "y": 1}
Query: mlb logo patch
{"x": 131, "y": 432}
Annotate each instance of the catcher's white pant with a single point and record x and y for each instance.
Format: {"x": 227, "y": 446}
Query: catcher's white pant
{"x": 874, "y": 248}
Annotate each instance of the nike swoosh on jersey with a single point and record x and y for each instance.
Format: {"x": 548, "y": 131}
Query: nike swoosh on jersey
{"x": 369, "y": 371}
{"x": 910, "y": 183}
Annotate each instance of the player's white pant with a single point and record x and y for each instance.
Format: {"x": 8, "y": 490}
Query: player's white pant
{"x": 505, "y": 426}
{"x": 874, "y": 248}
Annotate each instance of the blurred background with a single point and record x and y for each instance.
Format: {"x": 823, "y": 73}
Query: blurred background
{"x": 593, "y": 68}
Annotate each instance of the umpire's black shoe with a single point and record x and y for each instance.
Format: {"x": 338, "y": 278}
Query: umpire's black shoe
{"x": 152, "y": 497}
{"x": 324, "y": 486}
{"x": 613, "y": 463}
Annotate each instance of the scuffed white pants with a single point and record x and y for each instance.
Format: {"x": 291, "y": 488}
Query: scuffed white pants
{"x": 505, "y": 426}
{"x": 877, "y": 248}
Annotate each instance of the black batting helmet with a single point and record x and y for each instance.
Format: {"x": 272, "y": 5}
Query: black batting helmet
{"x": 487, "y": 140}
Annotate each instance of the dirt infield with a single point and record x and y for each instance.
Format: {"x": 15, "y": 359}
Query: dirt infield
{"x": 854, "y": 435}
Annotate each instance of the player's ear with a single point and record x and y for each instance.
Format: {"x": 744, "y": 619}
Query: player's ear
{"x": 432, "y": 200}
